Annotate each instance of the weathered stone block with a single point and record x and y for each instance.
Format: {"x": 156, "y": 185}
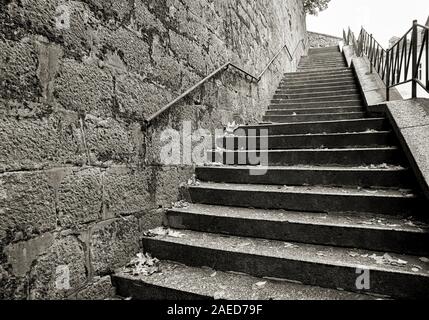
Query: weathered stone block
{"x": 80, "y": 197}
{"x": 168, "y": 180}
{"x": 126, "y": 191}
{"x": 112, "y": 9}
{"x": 132, "y": 47}
{"x": 18, "y": 70}
{"x": 37, "y": 143}
{"x": 60, "y": 271}
{"x": 98, "y": 289}
{"x": 21, "y": 255}
{"x": 139, "y": 99}
{"x": 84, "y": 88}
{"x": 109, "y": 141}
{"x": 27, "y": 205}
{"x": 189, "y": 51}
{"x": 114, "y": 243}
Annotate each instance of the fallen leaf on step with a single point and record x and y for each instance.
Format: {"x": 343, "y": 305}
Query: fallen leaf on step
{"x": 180, "y": 204}
{"x": 175, "y": 234}
{"x": 213, "y": 274}
{"x": 290, "y": 246}
{"x": 219, "y": 295}
{"x": 416, "y": 268}
{"x": 160, "y": 231}
{"x": 388, "y": 260}
{"x": 261, "y": 284}
{"x": 353, "y": 254}
{"x": 144, "y": 265}
{"x": 424, "y": 260}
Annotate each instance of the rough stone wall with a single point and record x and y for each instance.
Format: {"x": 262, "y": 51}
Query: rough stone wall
{"x": 80, "y": 174}
{"x": 320, "y": 40}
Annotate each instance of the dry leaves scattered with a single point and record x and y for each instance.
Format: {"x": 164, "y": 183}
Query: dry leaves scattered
{"x": 143, "y": 265}
{"x": 388, "y": 260}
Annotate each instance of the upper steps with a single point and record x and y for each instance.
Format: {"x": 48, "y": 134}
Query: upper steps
{"x": 322, "y": 65}
{"x": 316, "y": 104}
{"x": 357, "y": 177}
{"x": 310, "y": 74}
{"x": 316, "y": 81}
{"x": 317, "y": 85}
{"x": 309, "y": 141}
{"x": 318, "y": 127}
{"x": 321, "y": 156}
{"x": 303, "y": 100}
{"x": 319, "y": 90}
{"x": 314, "y": 110}
{"x": 307, "y": 95}
{"x": 283, "y": 118}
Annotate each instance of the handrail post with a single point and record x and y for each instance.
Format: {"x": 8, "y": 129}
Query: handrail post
{"x": 414, "y": 57}
{"x": 388, "y": 75}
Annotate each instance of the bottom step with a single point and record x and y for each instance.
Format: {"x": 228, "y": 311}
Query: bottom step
{"x": 178, "y": 282}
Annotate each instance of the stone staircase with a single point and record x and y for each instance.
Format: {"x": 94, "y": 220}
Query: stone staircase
{"x": 338, "y": 199}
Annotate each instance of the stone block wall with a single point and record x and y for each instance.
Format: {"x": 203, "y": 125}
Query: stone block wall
{"x": 80, "y": 173}
{"x": 320, "y": 40}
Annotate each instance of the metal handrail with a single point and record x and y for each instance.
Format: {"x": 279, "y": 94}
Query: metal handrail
{"x": 393, "y": 65}
{"x": 225, "y": 67}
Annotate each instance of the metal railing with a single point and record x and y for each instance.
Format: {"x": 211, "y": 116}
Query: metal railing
{"x": 223, "y": 68}
{"x": 402, "y": 63}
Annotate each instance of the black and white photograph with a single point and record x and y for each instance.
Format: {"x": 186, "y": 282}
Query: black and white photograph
{"x": 214, "y": 157}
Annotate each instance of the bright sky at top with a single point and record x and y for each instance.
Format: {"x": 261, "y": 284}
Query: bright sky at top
{"x": 384, "y": 18}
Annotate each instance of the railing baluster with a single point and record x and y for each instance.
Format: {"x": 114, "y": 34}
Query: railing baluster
{"x": 407, "y": 69}
{"x": 415, "y": 70}
{"x": 401, "y": 64}
{"x": 388, "y": 75}
{"x": 396, "y": 75}
{"x": 427, "y": 59}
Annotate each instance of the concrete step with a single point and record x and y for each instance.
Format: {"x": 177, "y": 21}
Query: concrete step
{"x": 363, "y": 231}
{"x": 322, "y": 60}
{"x": 309, "y": 264}
{"x": 180, "y": 282}
{"x": 319, "y": 78}
{"x": 310, "y": 75}
{"x": 320, "y": 127}
{"x": 324, "y": 65}
{"x": 315, "y": 94}
{"x": 309, "y": 198}
{"x": 363, "y": 177}
{"x": 328, "y": 71}
{"x": 317, "y": 82}
{"x": 315, "y": 75}
{"x": 329, "y": 50}
{"x": 313, "y": 117}
{"x": 341, "y": 157}
{"x": 317, "y": 85}
{"x": 308, "y": 141}
{"x": 316, "y": 89}
{"x": 314, "y": 111}
{"x": 347, "y": 97}
{"x": 319, "y": 68}
{"x": 317, "y": 105}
